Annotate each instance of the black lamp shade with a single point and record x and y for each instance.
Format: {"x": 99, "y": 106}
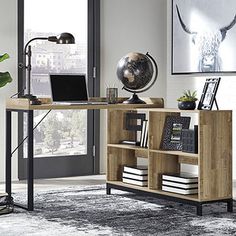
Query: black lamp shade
{"x": 65, "y": 38}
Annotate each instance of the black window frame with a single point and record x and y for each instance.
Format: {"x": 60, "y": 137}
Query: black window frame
{"x": 93, "y": 85}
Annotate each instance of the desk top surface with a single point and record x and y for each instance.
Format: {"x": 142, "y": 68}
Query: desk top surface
{"x": 24, "y": 104}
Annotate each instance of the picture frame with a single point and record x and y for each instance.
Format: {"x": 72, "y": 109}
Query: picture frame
{"x": 134, "y": 121}
{"x": 208, "y": 96}
{"x": 203, "y": 37}
{"x": 171, "y": 136}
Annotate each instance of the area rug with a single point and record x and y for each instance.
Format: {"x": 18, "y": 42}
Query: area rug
{"x": 87, "y": 210}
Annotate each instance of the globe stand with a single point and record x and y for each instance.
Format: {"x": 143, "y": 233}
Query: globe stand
{"x": 134, "y": 99}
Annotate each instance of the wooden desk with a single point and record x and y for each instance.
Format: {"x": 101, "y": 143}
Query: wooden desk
{"x": 23, "y": 105}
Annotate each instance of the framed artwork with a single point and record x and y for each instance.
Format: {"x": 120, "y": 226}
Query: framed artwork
{"x": 203, "y": 36}
{"x": 208, "y": 94}
{"x": 134, "y": 121}
{"x": 172, "y": 132}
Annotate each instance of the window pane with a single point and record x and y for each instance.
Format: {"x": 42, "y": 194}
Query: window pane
{"x": 62, "y": 133}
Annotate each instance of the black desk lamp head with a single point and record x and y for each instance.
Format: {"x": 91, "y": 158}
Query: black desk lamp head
{"x": 64, "y": 38}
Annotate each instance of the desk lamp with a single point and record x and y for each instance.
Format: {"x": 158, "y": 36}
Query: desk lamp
{"x": 64, "y": 38}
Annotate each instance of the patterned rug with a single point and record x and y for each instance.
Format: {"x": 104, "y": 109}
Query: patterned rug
{"x": 87, "y": 210}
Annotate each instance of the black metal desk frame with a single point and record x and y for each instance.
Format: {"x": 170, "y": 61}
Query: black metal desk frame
{"x": 30, "y": 159}
{"x": 30, "y": 149}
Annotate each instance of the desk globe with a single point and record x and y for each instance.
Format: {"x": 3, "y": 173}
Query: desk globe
{"x": 138, "y": 72}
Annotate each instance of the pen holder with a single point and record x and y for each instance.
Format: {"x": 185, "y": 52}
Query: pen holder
{"x": 112, "y": 95}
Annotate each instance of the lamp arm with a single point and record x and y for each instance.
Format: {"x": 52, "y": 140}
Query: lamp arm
{"x": 33, "y": 39}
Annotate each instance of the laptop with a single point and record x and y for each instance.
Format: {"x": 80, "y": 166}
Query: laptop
{"x": 70, "y": 89}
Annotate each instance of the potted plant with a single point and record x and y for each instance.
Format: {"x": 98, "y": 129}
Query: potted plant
{"x": 188, "y": 100}
{"x": 5, "y": 77}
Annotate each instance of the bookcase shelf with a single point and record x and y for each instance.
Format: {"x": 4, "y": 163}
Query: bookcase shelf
{"x": 193, "y": 197}
{"x": 214, "y": 158}
{"x": 127, "y": 146}
{"x": 176, "y": 153}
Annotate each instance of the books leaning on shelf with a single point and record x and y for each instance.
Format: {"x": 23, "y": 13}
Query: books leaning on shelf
{"x": 144, "y": 134}
{"x": 137, "y": 175}
{"x": 183, "y": 183}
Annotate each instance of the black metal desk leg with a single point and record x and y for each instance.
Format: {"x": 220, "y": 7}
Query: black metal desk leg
{"x": 8, "y": 153}
{"x": 30, "y": 161}
{"x": 199, "y": 209}
{"x": 108, "y": 189}
{"x": 230, "y": 205}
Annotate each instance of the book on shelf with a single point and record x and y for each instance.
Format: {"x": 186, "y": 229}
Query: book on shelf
{"x": 134, "y": 176}
{"x": 138, "y": 169}
{"x": 145, "y": 141}
{"x": 144, "y": 134}
{"x": 181, "y": 177}
{"x": 189, "y": 138}
{"x": 130, "y": 142}
{"x": 142, "y": 183}
{"x": 179, "y": 185}
{"x": 179, "y": 190}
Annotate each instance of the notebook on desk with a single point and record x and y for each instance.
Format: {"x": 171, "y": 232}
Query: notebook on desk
{"x": 69, "y": 89}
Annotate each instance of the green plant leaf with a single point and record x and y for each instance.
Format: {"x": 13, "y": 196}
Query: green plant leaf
{"x": 4, "y": 57}
{"x": 5, "y": 78}
{"x": 188, "y": 96}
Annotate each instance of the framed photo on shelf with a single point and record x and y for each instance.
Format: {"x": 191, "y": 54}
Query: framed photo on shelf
{"x": 134, "y": 121}
{"x": 208, "y": 94}
{"x": 203, "y": 36}
{"x": 171, "y": 136}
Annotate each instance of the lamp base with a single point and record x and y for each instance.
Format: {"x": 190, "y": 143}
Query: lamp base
{"x": 33, "y": 99}
{"x": 134, "y": 99}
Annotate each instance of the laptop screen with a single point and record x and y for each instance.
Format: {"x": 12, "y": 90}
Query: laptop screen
{"x": 68, "y": 87}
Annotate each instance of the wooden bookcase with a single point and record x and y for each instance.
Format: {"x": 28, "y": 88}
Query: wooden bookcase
{"x": 214, "y": 158}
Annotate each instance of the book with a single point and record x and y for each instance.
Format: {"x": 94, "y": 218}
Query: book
{"x": 179, "y": 190}
{"x": 145, "y": 140}
{"x": 142, "y": 133}
{"x": 181, "y": 178}
{"x": 138, "y": 170}
{"x": 189, "y": 138}
{"x": 135, "y": 182}
{"x": 179, "y": 185}
{"x": 134, "y": 176}
{"x": 130, "y": 142}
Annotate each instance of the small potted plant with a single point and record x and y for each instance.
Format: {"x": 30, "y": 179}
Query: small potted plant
{"x": 5, "y": 77}
{"x": 188, "y": 100}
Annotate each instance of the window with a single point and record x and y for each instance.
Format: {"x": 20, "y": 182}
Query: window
{"x": 66, "y": 151}
{"x": 63, "y": 133}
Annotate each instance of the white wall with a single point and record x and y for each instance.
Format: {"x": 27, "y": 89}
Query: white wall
{"x": 8, "y": 43}
{"x": 131, "y": 26}
{"x": 177, "y": 84}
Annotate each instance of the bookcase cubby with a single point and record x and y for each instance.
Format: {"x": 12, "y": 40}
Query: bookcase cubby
{"x": 213, "y": 160}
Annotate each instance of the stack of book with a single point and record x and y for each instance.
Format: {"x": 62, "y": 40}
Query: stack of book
{"x": 183, "y": 183}
{"x": 137, "y": 175}
{"x": 144, "y": 134}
